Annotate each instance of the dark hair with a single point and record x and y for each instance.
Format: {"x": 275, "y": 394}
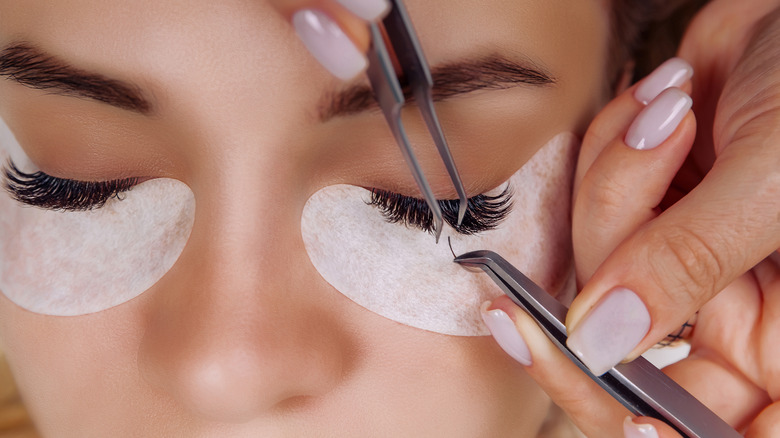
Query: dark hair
{"x": 647, "y": 32}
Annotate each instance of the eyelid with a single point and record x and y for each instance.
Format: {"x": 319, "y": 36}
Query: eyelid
{"x": 485, "y": 212}
{"x": 41, "y": 190}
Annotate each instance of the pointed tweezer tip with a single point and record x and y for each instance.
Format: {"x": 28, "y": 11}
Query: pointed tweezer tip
{"x": 473, "y": 258}
{"x": 462, "y": 212}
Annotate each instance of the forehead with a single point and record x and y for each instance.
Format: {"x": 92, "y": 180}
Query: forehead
{"x": 537, "y": 28}
{"x": 190, "y": 44}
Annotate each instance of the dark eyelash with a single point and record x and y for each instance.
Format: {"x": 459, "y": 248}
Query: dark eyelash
{"x": 484, "y": 212}
{"x": 41, "y": 190}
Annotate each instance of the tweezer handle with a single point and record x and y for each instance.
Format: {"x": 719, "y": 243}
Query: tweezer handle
{"x": 639, "y": 385}
{"x": 417, "y": 75}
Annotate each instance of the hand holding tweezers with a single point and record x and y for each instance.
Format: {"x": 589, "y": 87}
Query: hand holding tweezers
{"x": 638, "y": 385}
{"x": 388, "y": 92}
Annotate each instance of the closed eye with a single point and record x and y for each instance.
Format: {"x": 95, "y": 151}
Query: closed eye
{"x": 44, "y": 191}
{"x": 484, "y": 213}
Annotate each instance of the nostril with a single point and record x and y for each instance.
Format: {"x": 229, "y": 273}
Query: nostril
{"x": 231, "y": 373}
{"x": 235, "y": 385}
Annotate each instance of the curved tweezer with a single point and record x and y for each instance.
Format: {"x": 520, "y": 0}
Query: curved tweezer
{"x": 638, "y": 385}
{"x": 388, "y": 92}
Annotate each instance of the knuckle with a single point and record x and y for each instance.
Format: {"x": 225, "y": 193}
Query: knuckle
{"x": 576, "y": 399}
{"x": 604, "y": 198}
{"x": 684, "y": 265}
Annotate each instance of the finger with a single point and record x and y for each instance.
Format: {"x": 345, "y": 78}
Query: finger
{"x": 734, "y": 398}
{"x": 334, "y": 31}
{"x": 646, "y": 427}
{"x": 726, "y": 347}
{"x": 613, "y": 121}
{"x": 624, "y": 186}
{"x": 767, "y": 424}
{"x": 676, "y": 263}
{"x": 589, "y": 406}
{"x": 609, "y": 124}
{"x": 751, "y": 96}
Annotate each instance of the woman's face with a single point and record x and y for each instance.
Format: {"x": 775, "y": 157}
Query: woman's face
{"x": 243, "y": 337}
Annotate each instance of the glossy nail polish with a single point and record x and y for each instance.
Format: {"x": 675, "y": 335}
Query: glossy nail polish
{"x": 633, "y": 430}
{"x": 672, "y": 73}
{"x": 658, "y": 120}
{"x": 328, "y": 43}
{"x": 368, "y": 10}
{"x": 610, "y": 331}
{"x": 505, "y": 333}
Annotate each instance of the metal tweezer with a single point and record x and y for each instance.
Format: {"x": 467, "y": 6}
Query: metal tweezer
{"x": 397, "y": 27}
{"x": 638, "y": 385}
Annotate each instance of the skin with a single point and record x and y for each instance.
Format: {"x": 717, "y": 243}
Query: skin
{"x": 232, "y": 341}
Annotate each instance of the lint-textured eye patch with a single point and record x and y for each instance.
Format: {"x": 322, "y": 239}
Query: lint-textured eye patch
{"x": 399, "y": 272}
{"x": 75, "y": 263}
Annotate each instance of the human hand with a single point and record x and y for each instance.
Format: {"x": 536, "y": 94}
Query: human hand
{"x": 697, "y": 238}
{"x": 334, "y": 31}
{"x": 609, "y": 166}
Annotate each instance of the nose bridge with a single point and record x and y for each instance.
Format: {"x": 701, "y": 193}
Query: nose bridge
{"x": 243, "y": 322}
{"x": 236, "y": 327}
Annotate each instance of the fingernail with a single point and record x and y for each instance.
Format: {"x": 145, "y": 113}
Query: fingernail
{"x": 505, "y": 333}
{"x": 610, "y": 331}
{"x": 672, "y": 73}
{"x": 633, "y": 430}
{"x": 329, "y": 44}
{"x": 658, "y": 120}
{"x": 368, "y": 10}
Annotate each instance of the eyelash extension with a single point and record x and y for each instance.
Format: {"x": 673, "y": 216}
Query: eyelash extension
{"x": 44, "y": 191}
{"x": 484, "y": 212}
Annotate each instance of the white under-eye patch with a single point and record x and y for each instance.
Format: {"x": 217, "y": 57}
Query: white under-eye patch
{"x": 402, "y": 274}
{"x": 75, "y": 263}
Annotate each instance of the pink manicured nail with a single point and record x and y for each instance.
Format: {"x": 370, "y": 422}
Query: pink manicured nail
{"x": 368, "y": 10}
{"x": 633, "y": 430}
{"x": 672, "y": 73}
{"x": 328, "y": 43}
{"x": 658, "y": 120}
{"x": 610, "y": 331}
{"x": 505, "y": 333}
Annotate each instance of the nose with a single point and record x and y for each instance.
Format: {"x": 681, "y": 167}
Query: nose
{"x": 239, "y": 326}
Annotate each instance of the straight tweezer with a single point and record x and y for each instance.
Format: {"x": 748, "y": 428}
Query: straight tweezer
{"x": 638, "y": 385}
{"x": 389, "y": 94}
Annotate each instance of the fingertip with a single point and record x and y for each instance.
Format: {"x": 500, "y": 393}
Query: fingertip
{"x": 540, "y": 349}
{"x": 334, "y": 32}
{"x": 369, "y": 10}
{"x": 581, "y": 305}
{"x": 647, "y": 427}
{"x": 503, "y": 329}
{"x": 659, "y": 120}
{"x": 592, "y": 409}
{"x": 325, "y": 38}
{"x": 673, "y": 73}
{"x": 611, "y": 331}
{"x": 638, "y": 430}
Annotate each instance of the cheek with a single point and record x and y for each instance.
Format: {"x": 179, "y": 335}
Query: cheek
{"x": 402, "y": 274}
{"x": 75, "y": 263}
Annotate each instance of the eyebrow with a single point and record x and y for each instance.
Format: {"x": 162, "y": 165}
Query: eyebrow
{"x": 493, "y": 72}
{"x": 31, "y": 67}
